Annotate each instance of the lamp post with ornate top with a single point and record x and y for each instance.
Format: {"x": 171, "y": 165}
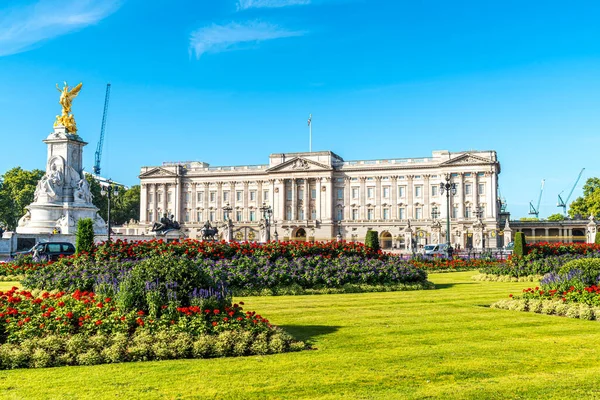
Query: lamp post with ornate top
{"x": 448, "y": 188}
{"x": 109, "y": 191}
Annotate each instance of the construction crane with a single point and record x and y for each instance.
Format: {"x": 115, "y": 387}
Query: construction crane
{"x": 98, "y": 154}
{"x": 536, "y": 210}
{"x": 562, "y": 203}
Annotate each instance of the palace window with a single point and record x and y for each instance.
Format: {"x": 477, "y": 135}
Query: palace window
{"x": 354, "y": 214}
{"x": 213, "y": 197}
{"x": 340, "y": 194}
{"x": 169, "y": 197}
{"x": 481, "y": 188}
{"x": 150, "y": 197}
{"x": 288, "y": 213}
{"x": 401, "y": 213}
{"x": 187, "y": 197}
{"x": 386, "y": 213}
{"x": 252, "y": 216}
{"x": 340, "y": 214}
{"x": 150, "y": 216}
{"x": 252, "y": 195}
{"x": 238, "y": 216}
{"x": 301, "y": 214}
{"x": 467, "y": 188}
{"x": 289, "y": 194}
{"x": 418, "y": 213}
{"x": 238, "y": 195}
{"x": 313, "y": 193}
{"x": 418, "y": 191}
{"x": 386, "y": 192}
{"x": 369, "y": 214}
{"x": 187, "y": 216}
{"x": 401, "y": 191}
{"x": 468, "y": 212}
{"x": 355, "y": 193}
{"x": 200, "y": 197}
{"x": 455, "y": 212}
{"x": 265, "y": 195}
{"x": 370, "y": 192}
{"x": 225, "y": 196}
{"x": 199, "y": 216}
{"x": 300, "y": 193}
{"x": 434, "y": 190}
{"x": 313, "y": 214}
{"x": 212, "y": 216}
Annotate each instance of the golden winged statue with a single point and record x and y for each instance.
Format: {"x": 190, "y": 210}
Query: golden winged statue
{"x": 67, "y": 119}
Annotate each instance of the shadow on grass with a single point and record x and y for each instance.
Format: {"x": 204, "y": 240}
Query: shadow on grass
{"x": 449, "y": 285}
{"x": 307, "y": 333}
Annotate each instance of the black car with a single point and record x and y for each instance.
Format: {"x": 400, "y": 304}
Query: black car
{"x": 51, "y": 251}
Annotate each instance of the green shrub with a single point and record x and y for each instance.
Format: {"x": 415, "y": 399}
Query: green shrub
{"x": 519, "y": 249}
{"x": 372, "y": 240}
{"x": 85, "y": 235}
{"x": 589, "y": 267}
{"x": 597, "y": 239}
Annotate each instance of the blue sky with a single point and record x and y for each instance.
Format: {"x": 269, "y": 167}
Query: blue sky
{"x": 230, "y": 81}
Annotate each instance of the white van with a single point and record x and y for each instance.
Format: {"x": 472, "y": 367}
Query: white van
{"x": 435, "y": 250}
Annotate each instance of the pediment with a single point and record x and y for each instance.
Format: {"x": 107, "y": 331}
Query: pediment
{"x": 158, "y": 173}
{"x": 299, "y": 164}
{"x": 466, "y": 159}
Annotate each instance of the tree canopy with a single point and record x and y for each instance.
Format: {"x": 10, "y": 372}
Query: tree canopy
{"x": 17, "y": 187}
{"x": 556, "y": 217}
{"x": 123, "y": 208}
{"x": 589, "y": 203}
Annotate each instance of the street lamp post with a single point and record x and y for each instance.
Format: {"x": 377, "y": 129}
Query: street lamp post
{"x": 109, "y": 191}
{"x": 479, "y": 214}
{"x": 226, "y": 210}
{"x": 448, "y": 188}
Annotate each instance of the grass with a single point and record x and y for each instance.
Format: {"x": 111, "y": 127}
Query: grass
{"x": 423, "y": 344}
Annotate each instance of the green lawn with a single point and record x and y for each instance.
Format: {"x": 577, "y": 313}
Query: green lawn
{"x": 443, "y": 343}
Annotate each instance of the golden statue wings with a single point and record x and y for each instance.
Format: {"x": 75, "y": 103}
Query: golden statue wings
{"x": 67, "y": 95}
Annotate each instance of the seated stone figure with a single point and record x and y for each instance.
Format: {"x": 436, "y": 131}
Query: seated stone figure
{"x": 165, "y": 224}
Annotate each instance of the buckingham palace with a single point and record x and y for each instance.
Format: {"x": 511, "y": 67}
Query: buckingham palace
{"x": 318, "y": 196}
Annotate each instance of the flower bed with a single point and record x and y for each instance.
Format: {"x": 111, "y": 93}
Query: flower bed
{"x": 533, "y": 264}
{"x": 82, "y": 328}
{"x": 242, "y": 275}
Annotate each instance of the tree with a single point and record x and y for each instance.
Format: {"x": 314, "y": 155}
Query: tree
{"x": 589, "y": 203}
{"x": 17, "y": 188}
{"x": 520, "y": 243}
{"x": 124, "y": 207}
{"x": 372, "y": 240}
{"x": 556, "y": 217}
{"x": 85, "y": 235}
{"x": 529, "y": 219}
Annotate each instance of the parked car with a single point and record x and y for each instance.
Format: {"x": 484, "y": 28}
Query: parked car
{"x": 435, "y": 250}
{"x": 50, "y": 251}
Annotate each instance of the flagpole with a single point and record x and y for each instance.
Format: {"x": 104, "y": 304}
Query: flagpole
{"x": 310, "y": 133}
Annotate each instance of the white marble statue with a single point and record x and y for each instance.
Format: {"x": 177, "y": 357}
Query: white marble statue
{"x": 82, "y": 192}
{"x": 50, "y": 183}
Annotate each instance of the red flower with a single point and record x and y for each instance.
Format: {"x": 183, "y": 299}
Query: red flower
{"x": 61, "y": 304}
{"x": 140, "y": 313}
{"x": 215, "y": 323}
{"x": 98, "y": 322}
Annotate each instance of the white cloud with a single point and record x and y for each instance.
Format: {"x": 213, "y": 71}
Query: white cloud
{"x": 218, "y": 38}
{"x": 23, "y": 27}
{"x": 246, "y": 4}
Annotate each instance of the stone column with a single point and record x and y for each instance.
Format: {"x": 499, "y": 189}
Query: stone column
{"x": 460, "y": 193}
{"x": 362, "y": 196}
{"x": 294, "y": 199}
{"x": 245, "y": 194}
{"x": 409, "y": 197}
{"x": 143, "y": 203}
{"x": 165, "y": 205}
{"x": 306, "y": 200}
{"x": 347, "y": 182}
{"x": 194, "y": 216}
{"x": 329, "y": 199}
{"x": 206, "y": 196}
{"x": 279, "y": 199}
{"x": 318, "y": 200}
{"x": 378, "y": 197}
{"x": 394, "y": 189}
{"x": 490, "y": 197}
{"x": 219, "y": 205}
{"x": 259, "y": 195}
{"x": 154, "y": 203}
{"x": 426, "y": 197}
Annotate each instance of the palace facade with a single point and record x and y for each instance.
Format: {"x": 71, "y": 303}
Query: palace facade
{"x": 319, "y": 196}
